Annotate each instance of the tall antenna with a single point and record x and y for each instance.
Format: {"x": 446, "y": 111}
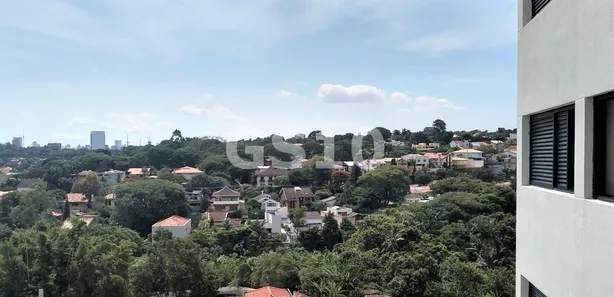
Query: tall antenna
{"x": 23, "y": 137}
{"x": 127, "y": 140}
{"x": 139, "y": 141}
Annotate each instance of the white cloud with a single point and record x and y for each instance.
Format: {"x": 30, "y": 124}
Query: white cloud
{"x": 330, "y": 93}
{"x": 80, "y": 121}
{"x": 285, "y": 94}
{"x": 400, "y": 97}
{"x": 216, "y": 111}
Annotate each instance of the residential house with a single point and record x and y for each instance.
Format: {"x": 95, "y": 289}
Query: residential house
{"x": 477, "y": 144}
{"x": 112, "y": 177}
{"x": 282, "y": 212}
{"x": 89, "y": 220}
{"x": 269, "y": 292}
{"x": 28, "y": 184}
{"x": 218, "y": 217}
{"x": 330, "y": 201}
{"x": 371, "y": 164}
{"x": 272, "y": 222}
{"x": 109, "y": 199}
{"x": 188, "y": 172}
{"x": 139, "y": 172}
{"x": 468, "y": 158}
{"x": 267, "y": 203}
{"x": 513, "y": 136}
{"x": 77, "y": 202}
{"x": 340, "y": 213}
{"x": 295, "y": 197}
{"x": 437, "y": 160}
{"x": 267, "y": 176}
{"x": 423, "y": 147}
{"x": 416, "y": 159}
{"x": 179, "y": 226}
{"x": 195, "y": 197}
{"x": 312, "y": 219}
{"x": 226, "y": 199}
{"x": 348, "y": 165}
{"x": 457, "y": 144}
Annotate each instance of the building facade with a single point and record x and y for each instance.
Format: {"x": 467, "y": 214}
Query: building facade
{"x": 97, "y": 140}
{"x": 565, "y": 218}
{"x": 17, "y": 142}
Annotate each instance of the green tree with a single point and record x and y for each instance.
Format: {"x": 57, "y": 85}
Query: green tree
{"x": 387, "y": 183}
{"x": 90, "y": 186}
{"x": 331, "y": 235}
{"x": 142, "y": 203}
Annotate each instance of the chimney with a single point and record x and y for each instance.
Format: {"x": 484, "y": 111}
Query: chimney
{"x": 297, "y": 190}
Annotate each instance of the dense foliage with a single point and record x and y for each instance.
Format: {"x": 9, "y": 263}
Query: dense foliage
{"x": 460, "y": 244}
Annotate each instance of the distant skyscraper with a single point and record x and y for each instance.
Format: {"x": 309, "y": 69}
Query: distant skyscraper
{"x": 54, "y": 146}
{"x": 97, "y": 140}
{"x": 118, "y": 145}
{"x": 18, "y": 141}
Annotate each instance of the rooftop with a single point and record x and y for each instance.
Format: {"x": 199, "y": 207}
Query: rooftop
{"x": 136, "y": 171}
{"x": 225, "y": 191}
{"x": 172, "y": 222}
{"x": 269, "y": 292}
{"x": 76, "y": 197}
{"x": 187, "y": 170}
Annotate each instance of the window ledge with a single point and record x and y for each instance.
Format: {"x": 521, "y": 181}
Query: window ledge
{"x": 550, "y": 191}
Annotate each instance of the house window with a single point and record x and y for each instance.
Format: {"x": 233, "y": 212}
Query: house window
{"x": 537, "y": 6}
{"x": 603, "y": 175}
{"x": 551, "y": 141}
{"x": 535, "y": 292}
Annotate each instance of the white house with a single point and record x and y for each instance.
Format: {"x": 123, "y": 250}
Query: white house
{"x": 457, "y": 144}
{"x": 565, "y": 169}
{"x": 419, "y": 159}
{"x": 179, "y": 226}
{"x": 272, "y": 222}
{"x": 269, "y": 204}
{"x": 340, "y": 213}
{"x": 468, "y": 154}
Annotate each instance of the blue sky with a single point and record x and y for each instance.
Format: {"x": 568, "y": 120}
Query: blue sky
{"x": 239, "y": 68}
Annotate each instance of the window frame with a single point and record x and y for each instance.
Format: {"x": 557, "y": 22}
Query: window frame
{"x": 553, "y": 114}
{"x": 537, "y": 6}
{"x": 600, "y": 146}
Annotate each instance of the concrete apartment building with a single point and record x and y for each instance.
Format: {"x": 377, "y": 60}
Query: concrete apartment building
{"x": 565, "y": 214}
{"x": 97, "y": 140}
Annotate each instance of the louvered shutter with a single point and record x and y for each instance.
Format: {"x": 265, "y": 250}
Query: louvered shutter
{"x": 542, "y": 150}
{"x": 535, "y": 292}
{"x": 563, "y": 175}
{"x": 538, "y": 5}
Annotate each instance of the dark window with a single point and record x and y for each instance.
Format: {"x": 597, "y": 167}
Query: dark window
{"x": 535, "y": 292}
{"x": 552, "y": 149}
{"x": 603, "y": 176}
{"x": 537, "y": 6}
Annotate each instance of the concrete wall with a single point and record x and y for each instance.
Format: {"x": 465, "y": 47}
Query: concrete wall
{"x": 564, "y": 240}
{"x": 177, "y": 231}
{"x": 564, "y": 53}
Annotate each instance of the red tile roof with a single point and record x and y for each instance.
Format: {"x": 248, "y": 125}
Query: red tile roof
{"x": 187, "y": 170}
{"x": 299, "y": 294}
{"x": 269, "y": 292}
{"x": 172, "y": 222}
{"x": 226, "y": 191}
